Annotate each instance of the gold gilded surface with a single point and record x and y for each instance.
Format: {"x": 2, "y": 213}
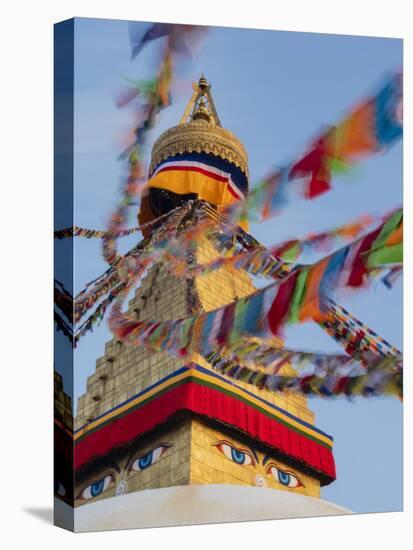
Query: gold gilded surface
{"x": 158, "y": 460}
{"x": 199, "y": 136}
{"x": 191, "y": 452}
{"x": 223, "y": 286}
{"x": 212, "y": 461}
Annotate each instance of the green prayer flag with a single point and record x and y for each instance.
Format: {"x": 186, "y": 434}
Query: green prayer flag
{"x": 388, "y": 228}
{"x": 291, "y": 254}
{"x": 299, "y": 292}
{"x": 386, "y": 255}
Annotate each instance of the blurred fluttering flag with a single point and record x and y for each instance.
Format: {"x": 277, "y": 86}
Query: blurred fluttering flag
{"x": 155, "y": 31}
{"x": 183, "y": 38}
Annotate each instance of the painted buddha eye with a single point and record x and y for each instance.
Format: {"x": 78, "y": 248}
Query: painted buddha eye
{"x": 98, "y": 487}
{"x": 239, "y": 456}
{"x": 59, "y": 489}
{"x": 144, "y": 461}
{"x": 288, "y": 479}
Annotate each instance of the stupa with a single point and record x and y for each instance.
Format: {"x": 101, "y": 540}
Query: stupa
{"x": 150, "y": 421}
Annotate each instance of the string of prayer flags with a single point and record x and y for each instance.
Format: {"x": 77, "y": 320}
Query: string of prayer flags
{"x": 113, "y": 282}
{"x": 364, "y": 338}
{"x": 255, "y": 260}
{"x": 63, "y": 327}
{"x": 97, "y": 316}
{"x": 258, "y": 353}
{"x": 63, "y": 300}
{"x": 76, "y": 231}
{"x": 373, "y": 126}
{"x": 155, "y": 100}
{"x": 301, "y": 296}
{"x": 383, "y": 377}
{"x": 167, "y": 243}
{"x": 258, "y": 260}
{"x": 308, "y": 292}
{"x": 179, "y": 42}
{"x": 290, "y": 250}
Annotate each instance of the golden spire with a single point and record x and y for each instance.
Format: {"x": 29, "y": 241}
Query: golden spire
{"x": 200, "y": 104}
{"x": 203, "y": 83}
{"x": 201, "y": 111}
{"x": 200, "y": 130}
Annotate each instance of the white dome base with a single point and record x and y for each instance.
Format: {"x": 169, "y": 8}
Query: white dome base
{"x": 192, "y": 505}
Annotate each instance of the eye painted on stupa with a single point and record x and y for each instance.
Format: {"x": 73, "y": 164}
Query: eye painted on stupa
{"x": 146, "y": 460}
{"x": 288, "y": 479}
{"x": 98, "y": 487}
{"x": 237, "y": 455}
{"x": 59, "y": 489}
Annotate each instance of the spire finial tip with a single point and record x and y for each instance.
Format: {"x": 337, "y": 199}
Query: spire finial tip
{"x": 203, "y": 83}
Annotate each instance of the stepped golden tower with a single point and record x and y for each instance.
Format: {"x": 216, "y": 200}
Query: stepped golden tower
{"x": 149, "y": 420}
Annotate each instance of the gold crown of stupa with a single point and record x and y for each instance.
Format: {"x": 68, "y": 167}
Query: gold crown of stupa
{"x": 200, "y": 130}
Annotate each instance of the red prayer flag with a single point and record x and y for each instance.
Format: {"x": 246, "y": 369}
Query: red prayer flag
{"x": 281, "y": 304}
{"x": 315, "y": 165}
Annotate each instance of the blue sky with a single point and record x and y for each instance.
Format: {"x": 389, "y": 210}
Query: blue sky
{"x": 275, "y": 90}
